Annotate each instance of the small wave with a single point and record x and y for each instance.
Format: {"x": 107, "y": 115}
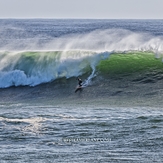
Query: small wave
{"x": 25, "y": 125}
{"x": 156, "y": 120}
{"x": 142, "y": 117}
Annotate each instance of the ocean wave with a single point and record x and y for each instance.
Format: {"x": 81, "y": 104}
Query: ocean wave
{"x": 33, "y": 68}
{"x": 78, "y": 54}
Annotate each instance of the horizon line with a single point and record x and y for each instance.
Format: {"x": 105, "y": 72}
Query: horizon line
{"x": 83, "y": 18}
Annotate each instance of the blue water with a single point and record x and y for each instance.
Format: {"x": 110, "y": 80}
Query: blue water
{"x": 49, "y": 133}
{"x": 42, "y": 120}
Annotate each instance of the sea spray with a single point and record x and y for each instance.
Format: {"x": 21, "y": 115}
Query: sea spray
{"x": 115, "y": 39}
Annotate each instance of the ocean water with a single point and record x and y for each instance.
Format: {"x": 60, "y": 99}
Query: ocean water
{"x": 118, "y": 114}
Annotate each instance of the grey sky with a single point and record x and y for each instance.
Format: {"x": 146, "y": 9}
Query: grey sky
{"x": 98, "y": 9}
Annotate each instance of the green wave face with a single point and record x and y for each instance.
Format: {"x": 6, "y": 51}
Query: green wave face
{"x": 129, "y": 63}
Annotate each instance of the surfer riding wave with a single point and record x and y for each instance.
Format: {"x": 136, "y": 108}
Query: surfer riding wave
{"x": 79, "y": 87}
{"x": 79, "y": 82}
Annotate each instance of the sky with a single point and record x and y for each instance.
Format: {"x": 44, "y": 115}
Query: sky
{"x": 85, "y": 9}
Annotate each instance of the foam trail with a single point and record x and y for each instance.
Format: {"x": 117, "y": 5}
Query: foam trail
{"x": 93, "y": 64}
{"x": 89, "y": 79}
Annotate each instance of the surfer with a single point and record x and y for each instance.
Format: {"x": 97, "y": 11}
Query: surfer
{"x": 80, "y": 85}
{"x": 79, "y": 82}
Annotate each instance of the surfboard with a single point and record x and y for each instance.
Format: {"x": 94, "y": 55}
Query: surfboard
{"x": 78, "y": 88}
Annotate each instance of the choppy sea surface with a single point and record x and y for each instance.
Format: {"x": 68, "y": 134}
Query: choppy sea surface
{"x": 118, "y": 114}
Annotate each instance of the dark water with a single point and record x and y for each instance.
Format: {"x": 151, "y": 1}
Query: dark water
{"x": 80, "y": 133}
{"x": 117, "y": 117}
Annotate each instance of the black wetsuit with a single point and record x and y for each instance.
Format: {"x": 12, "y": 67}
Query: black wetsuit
{"x": 80, "y": 82}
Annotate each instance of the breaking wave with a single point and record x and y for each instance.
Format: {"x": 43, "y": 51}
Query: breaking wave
{"x": 33, "y": 68}
{"x": 78, "y": 54}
